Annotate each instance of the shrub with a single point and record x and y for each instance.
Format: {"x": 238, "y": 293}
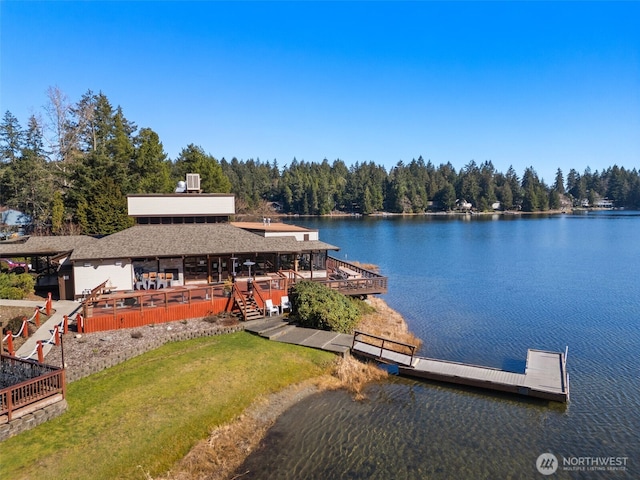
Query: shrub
{"x": 317, "y": 306}
{"x": 14, "y": 325}
{"x": 14, "y": 286}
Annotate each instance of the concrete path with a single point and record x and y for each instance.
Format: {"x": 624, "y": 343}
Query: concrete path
{"x": 278, "y": 329}
{"x": 60, "y": 309}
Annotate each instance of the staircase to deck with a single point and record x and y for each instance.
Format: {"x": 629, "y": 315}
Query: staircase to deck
{"x": 248, "y": 306}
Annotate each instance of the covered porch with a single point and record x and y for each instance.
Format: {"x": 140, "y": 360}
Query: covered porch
{"x": 105, "y": 308}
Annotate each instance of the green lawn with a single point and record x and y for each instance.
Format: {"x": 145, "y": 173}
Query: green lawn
{"x": 150, "y": 411}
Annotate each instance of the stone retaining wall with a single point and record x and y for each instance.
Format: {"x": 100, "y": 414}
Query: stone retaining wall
{"x": 42, "y": 415}
{"x": 27, "y": 422}
{"x": 95, "y": 367}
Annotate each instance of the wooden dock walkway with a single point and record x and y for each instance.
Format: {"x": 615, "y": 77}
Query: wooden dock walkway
{"x": 545, "y": 374}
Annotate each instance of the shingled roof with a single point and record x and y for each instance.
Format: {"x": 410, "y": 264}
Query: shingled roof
{"x": 145, "y": 241}
{"x": 44, "y": 246}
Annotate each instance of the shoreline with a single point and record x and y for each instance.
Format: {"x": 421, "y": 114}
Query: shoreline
{"x": 566, "y": 211}
{"x": 228, "y": 446}
{"x": 223, "y": 452}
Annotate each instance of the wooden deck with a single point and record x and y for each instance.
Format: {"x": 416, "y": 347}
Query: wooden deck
{"x": 144, "y": 307}
{"x": 37, "y": 386}
{"x": 545, "y": 374}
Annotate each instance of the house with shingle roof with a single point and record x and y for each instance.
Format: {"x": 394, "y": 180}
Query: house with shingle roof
{"x": 191, "y": 253}
{"x": 186, "y": 240}
{"x": 188, "y": 236}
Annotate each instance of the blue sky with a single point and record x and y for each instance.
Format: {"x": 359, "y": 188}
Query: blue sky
{"x": 540, "y": 84}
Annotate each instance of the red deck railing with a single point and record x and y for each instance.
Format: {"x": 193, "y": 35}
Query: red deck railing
{"x": 146, "y": 307}
{"x": 46, "y": 381}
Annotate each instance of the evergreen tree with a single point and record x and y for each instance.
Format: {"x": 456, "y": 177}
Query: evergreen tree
{"x": 32, "y": 178}
{"x": 11, "y": 138}
{"x": 572, "y": 179}
{"x": 106, "y": 208}
{"x": 446, "y": 197}
{"x": 618, "y": 186}
{"x": 192, "y": 159}
{"x": 506, "y": 197}
{"x": 11, "y": 143}
{"x": 57, "y": 213}
{"x": 514, "y": 185}
{"x": 120, "y": 150}
{"x": 558, "y": 186}
{"x": 554, "y": 199}
{"x": 149, "y": 170}
{"x": 536, "y": 197}
{"x": 468, "y": 184}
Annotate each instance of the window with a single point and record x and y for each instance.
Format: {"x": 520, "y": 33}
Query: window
{"x": 195, "y": 268}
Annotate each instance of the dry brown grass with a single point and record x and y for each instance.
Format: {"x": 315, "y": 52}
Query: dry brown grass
{"x": 353, "y": 375}
{"x": 222, "y": 453}
{"x": 386, "y": 322}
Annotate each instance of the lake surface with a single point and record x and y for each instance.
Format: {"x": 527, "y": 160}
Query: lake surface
{"x": 484, "y": 289}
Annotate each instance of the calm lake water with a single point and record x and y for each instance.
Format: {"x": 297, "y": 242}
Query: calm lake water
{"x": 483, "y": 290}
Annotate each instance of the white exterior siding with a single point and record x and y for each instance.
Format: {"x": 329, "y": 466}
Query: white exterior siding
{"x": 181, "y": 205}
{"x": 299, "y": 236}
{"x": 90, "y": 274}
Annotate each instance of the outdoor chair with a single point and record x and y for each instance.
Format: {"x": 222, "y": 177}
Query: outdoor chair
{"x": 270, "y": 307}
{"x": 141, "y": 284}
{"x": 161, "y": 281}
{"x": 285, "y": 304}
{"x": 153, "y": 277}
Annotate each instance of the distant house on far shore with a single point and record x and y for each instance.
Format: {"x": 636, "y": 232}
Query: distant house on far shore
{"x": 462, "y": 204}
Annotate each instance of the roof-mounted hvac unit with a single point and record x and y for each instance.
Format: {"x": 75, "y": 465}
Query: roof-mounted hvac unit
{"x": 193, "y": 182}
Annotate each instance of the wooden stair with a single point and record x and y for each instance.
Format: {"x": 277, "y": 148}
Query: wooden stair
{"x": 250, "y": 309}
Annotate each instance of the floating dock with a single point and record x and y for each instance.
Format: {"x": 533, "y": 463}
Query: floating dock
{"x": 545, "y": 374}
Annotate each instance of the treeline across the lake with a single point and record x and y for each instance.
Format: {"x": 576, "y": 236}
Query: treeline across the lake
{"x": 70, "y": 168}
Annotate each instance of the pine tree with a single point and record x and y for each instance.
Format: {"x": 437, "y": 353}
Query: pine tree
{"x": 558, "y": 185}
{"x": 106, "y": 208}
{"x": 192, "y": 159}
{"x": 149, "y": 170}
{"x": 57, "y": 213}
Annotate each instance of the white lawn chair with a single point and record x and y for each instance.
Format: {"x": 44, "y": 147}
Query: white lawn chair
{"x": 143, "y": 282}
{"x": 161, "y": 281}
{"x": 285, "y": 304}
{"x": 153, "y": 277}
{"x": 270, "y": 308}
